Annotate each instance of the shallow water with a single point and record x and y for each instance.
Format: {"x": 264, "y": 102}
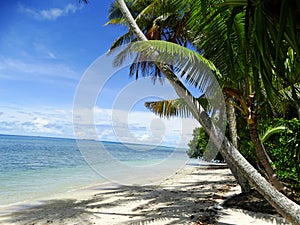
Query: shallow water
{"x": 35, "y": 167}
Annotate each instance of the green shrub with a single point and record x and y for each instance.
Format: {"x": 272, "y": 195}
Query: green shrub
{"x": 284, "y": 150}
{"x": 198, "y": 145}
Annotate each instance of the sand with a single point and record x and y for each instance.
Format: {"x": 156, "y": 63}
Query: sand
{"x": 193, "y": 195}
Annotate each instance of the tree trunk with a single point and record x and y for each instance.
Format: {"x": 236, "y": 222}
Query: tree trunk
{"x": 232, "y": 122}
{"x": 241, "y": 179}
{"x": 262, "y": 156}
{"x": 286, "y": 207}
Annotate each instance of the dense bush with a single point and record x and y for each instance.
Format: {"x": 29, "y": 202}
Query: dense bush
{"x": 198, "y": 145}
{"x": 284, "y": 149}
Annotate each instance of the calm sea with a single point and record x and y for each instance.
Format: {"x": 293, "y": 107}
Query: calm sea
{"x": 36, "y": 167}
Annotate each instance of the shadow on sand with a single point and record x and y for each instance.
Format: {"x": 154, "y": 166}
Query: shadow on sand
{"x": 185, "y": 203}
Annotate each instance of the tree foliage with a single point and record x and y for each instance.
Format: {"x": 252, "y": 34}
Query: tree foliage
{"x": 255, "y": 75}
{"x": 284, "y": 149}
{"x": 199, "y": 144}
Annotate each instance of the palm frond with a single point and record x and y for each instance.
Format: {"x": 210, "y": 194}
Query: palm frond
{"x": 116, "y": 21}
{"x": 169, "y": 108}
{"x": 122, "y": 40}
{"x": 148, "y": 10}
{"x": 188, "y": 64}
{"x": 174, "y": 107}
{"x": 114, "y": 11}
{"x": 272, "y": 131}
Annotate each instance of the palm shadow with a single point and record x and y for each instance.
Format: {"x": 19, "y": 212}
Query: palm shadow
{"x": 188, "y": 201}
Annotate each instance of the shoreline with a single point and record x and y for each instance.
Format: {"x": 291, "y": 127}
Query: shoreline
{"x": 194, "y": 193}
{"x": 81, "y": 192}
{"x": 87, "y": 188}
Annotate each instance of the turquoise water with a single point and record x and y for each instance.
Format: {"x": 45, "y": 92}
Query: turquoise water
{"x": 35, "y": 167}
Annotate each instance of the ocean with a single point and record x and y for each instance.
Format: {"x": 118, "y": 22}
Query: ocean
{"x": 37, "y": 167}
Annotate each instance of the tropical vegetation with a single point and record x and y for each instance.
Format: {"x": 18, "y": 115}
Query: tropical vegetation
{"x": 199, "y": 144}
{"x": 252, "y": 48}
{"x": 282, "y": 141}
{"x": 254, "y": 76}
{"x": 281, "y": 138}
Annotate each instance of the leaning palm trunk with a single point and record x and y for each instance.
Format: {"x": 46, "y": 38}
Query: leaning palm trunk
{"x": 262, "y": 156}
{"x": 286, "y": 207}
{"x": 232, "y": 122}
{"x": 241, "y": 179}
{"x": 261, "y": 153}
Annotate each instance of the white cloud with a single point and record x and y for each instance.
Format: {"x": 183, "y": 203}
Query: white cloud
{"x": 41, "y": 122}
{"x": 49, "y": 14}
{"x": 43, "y": 51}
{"x": 43, "y": 125}
{"x": 16, "y": 67}
{"x": 139, "y": 127}
{"x": 51, "y": 55}
{"x": 71, "y": 8}
{"x": 136, "y": 127}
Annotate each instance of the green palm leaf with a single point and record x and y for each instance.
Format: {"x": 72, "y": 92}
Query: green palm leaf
{"x": 124, "y": 39}
{"x": 188, "y": 64}
{"x": 173, "y": 107}
{"x": 271, "y": 132}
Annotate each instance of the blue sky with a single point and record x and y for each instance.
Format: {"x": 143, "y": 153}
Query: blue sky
{"x": 45, "y": 48}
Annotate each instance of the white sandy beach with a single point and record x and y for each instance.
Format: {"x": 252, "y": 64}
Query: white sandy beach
{"x": 191, "y": 196}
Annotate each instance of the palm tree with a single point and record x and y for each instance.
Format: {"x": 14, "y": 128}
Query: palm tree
{"x": 178, "y": 107}
{"x": 286, "y": 207}
{"x": 174, "y": 32}
{"x": 149, "y": 18}
{"x": 253, "y": 68}
{"x": 172, "y": 28}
